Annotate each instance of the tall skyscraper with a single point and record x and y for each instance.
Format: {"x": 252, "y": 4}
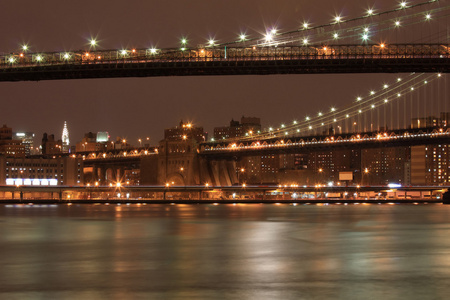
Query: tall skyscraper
{"x": 65, "y": 139}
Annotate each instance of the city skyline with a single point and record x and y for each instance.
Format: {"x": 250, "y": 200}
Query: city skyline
{"x": 142, "y": 107}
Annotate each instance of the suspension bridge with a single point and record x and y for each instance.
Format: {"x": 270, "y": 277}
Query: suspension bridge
{"x": 407, "y": 38}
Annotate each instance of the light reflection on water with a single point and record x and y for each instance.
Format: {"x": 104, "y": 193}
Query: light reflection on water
{"x": 242, "y": 251}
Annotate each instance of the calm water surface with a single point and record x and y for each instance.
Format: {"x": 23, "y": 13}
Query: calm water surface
{"x": 225, "y": 252}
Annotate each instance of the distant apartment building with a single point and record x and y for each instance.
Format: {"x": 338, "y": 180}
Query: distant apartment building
{"x": 431, "y": 121}
{"x": 50, "y": 146}
{"x": 27, "y": 139}
{"x": 380, "y": 166}
{"x": 65, "y": 170}
{"x": 8, "y": 146}
{"x": 430, "y": 165}
{"x": 247, "y": 126}
{"x": 99, "y": 141}
{"x": 185, "y": 131}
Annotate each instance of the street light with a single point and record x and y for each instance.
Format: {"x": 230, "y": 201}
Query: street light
{"x": 366, "y": 173}
{"x": 241, "y": 171}
{"x": 320, "y": 170}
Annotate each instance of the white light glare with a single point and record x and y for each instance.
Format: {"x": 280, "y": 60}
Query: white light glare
{"x": 93, "y": 42}
{"x": 335, "y": 35}
{"x": 24, "y": 47}
{"x": 337, "y": 19}
{"x": 305, "y": 25}
{"x": 268, "y": 37}
{"x": 305, "y": 41}
{"x": 403, "y": 4}
{"x": 428, "y": 16}
{"x": 370, "y": 12}
{"x": 242, "y": 37}
{"x": 397, "y": 23}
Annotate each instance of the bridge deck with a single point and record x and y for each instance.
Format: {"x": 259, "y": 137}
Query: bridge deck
{"x": 225, "y": 61}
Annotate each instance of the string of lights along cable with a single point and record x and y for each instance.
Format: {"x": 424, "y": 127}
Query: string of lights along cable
{"x": 368, "y": 113}
{"x": 377, "y": 30}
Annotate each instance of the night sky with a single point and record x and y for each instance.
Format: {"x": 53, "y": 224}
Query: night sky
{"x": 142, "y": 107}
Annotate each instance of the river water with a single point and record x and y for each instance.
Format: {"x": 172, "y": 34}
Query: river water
{"x": 253, "y": 251}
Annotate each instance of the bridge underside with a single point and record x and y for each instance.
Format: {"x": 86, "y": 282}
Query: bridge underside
{"x": 224, "y": 67}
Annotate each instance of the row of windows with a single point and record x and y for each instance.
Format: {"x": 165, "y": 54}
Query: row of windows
{"x": 32, "y": 165}
{"x": 37, "y": 176}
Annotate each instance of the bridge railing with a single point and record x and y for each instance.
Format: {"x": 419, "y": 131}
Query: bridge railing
{"x": 394, "y": 51}
{"x": 278, "y": 143}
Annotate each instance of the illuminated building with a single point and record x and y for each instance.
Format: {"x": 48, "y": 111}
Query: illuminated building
{"x": 27, "y": 139}
{"x": 102, "y": 137}
{"x": 247, "y": 126}
{"x": 65, "y": 170}
{"x": 50, "y": 146}
{"x": 185, "y": 131}
{"x": 8, "y": 146}
{"x": 65, "y": 139}
{"x": 386, "y": 165}
{"x": 92, "y": 142}
{"x": 430, "y": 165}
